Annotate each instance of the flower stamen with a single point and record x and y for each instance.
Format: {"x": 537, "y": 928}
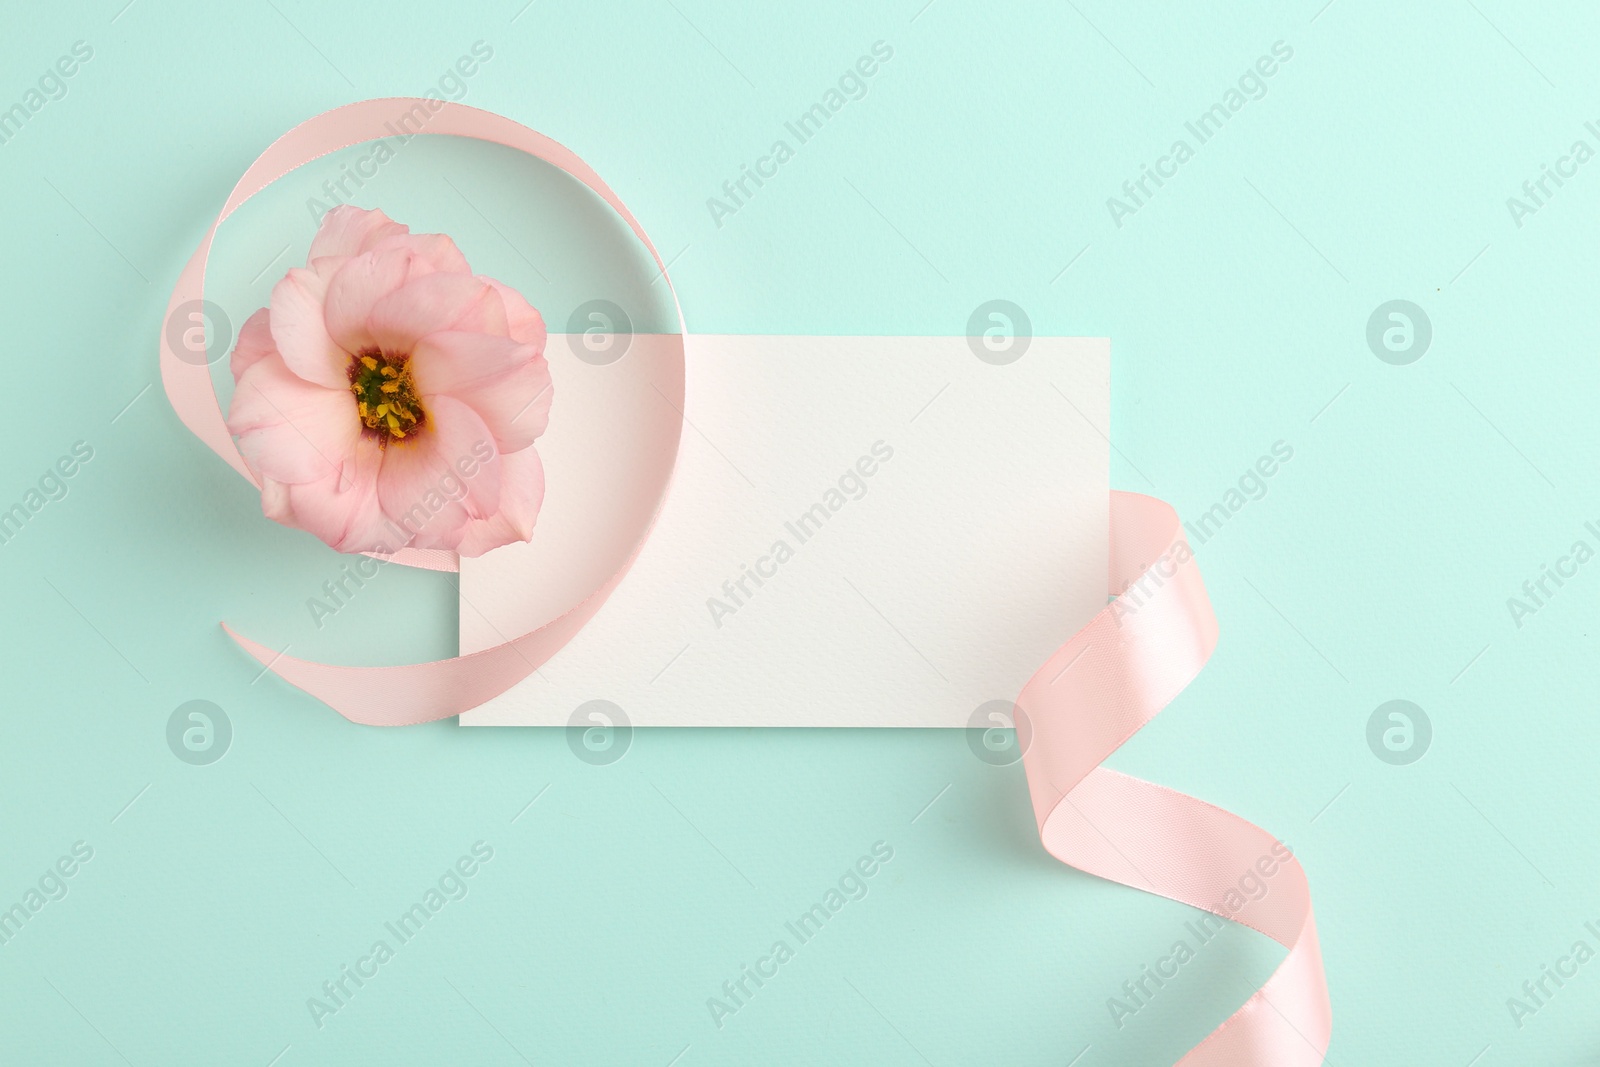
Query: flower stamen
{"x": 386, "y": 398}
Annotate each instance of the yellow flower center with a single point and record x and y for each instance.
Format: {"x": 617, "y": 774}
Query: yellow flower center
{"x": 386, "y": 398}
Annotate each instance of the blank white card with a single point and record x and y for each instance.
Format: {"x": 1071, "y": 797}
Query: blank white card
{"x": 859, "y": 531}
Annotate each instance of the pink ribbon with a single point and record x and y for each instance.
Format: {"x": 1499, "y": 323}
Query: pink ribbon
{"x": 420, "y": 692}
{"x": 1094, "y": 693}
{"x": 1112, "y": 677}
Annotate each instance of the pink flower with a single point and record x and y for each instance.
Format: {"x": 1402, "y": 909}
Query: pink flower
{"x": 390, "y": 398}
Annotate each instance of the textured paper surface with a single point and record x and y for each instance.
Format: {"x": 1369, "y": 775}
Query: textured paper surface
{"x": 861, "y": 531}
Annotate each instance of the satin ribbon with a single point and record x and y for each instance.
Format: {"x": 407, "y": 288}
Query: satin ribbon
{"x": 1090, "y": 697}
{"x": 1094, "y": 693}
{"x": 420, "y": 692}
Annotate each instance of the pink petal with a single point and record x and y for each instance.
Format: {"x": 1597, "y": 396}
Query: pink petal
{"x": 255, "y": 342}
{"x": 357, "y": 288}
{"x": 299, "y": 332}
{"x": 506, "y": 383}
{"x": 325, "y": 267}
{"x": 437, "y": 250}
{"x": 432, "y": 484}
{"x": 275, "y": 503}
{"x": 349, "y": 231}
{"x": 290, "y": 430}
{"x": 432, "y": 303}
{"x": 521, "y": 495}
{"x": 524, "y": 324}
{"x": 341, "y": 510}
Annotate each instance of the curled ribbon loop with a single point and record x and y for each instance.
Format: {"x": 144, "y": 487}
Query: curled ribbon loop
{"x": 419, "y": 692}
{"x": 1105, "y": 683}
{"x": 1097, "y": 691}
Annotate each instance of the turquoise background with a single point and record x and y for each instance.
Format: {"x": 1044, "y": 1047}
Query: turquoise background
{"x": 1377, "y": 566}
